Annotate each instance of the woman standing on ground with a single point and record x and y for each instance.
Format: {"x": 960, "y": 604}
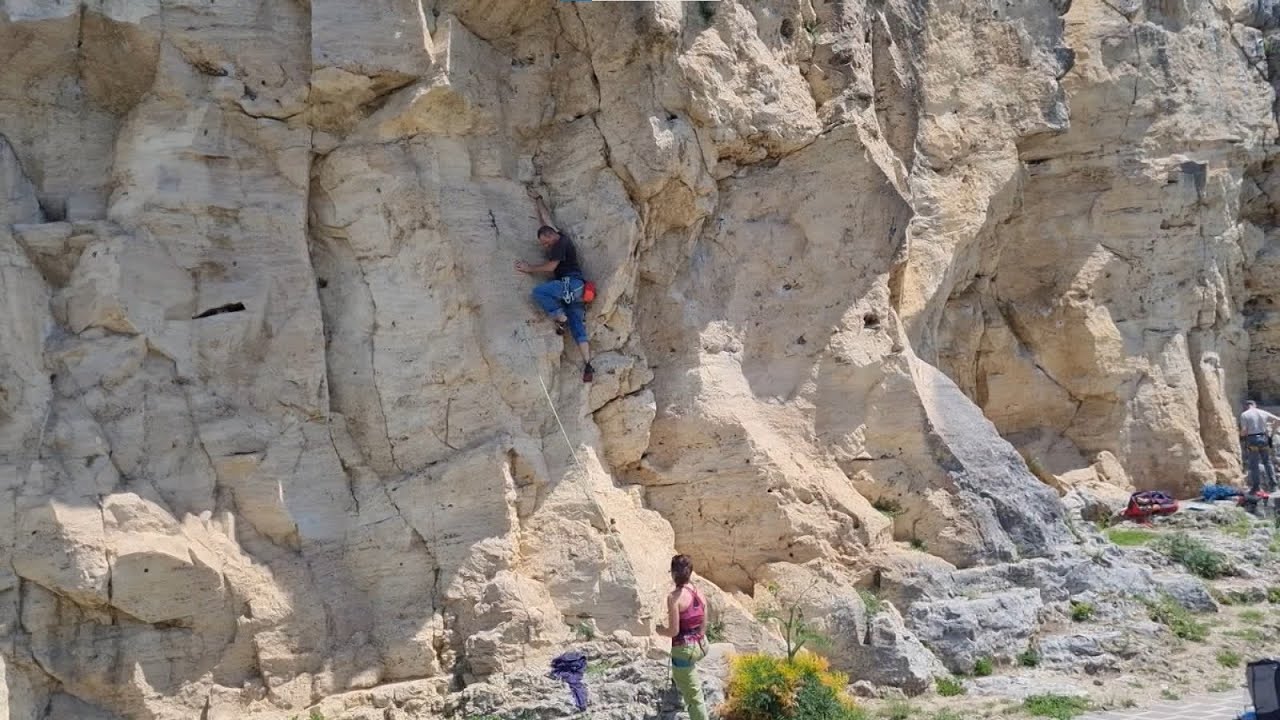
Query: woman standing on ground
{"x": 686, "y": 617}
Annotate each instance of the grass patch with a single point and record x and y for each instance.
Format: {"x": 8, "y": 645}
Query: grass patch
{"x": 1252, "y": 615}
{"x": 983, "y": 667}
{"x": 872, "y": 603}
{"x": 1229, "y": 658}
{"x": 1197, "y": 557}
{"x": 585, "y": 630}
{"x": 1168, "y": 694}
{"x": 1178, "y": 619}
{"x": 1029, "y": 658}
{"x": 898, "y": 710}
{"x": 1082, "y": 611}
{"x": 946, "y": 715}
{"x": 1253, "y": 636}
{"x": 888, "y": 506}
{"x": 1059, "y": 707}
{"x": 1273, "y": 594}
{"x": 715, "y": 631}
{"x": 950, "y": 687}
{"x": 1130, "y": 537}
{"x": 1240, "y": 526}
{"x": 918, "y": 544}
{"x": 1222, "y": 686}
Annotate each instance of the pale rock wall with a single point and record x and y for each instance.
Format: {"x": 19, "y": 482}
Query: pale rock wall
{"x": 272, "y": 414}
{"x": 1105, "y": 311}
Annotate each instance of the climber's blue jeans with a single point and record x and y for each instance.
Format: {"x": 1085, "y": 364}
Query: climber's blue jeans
{"x": 1258, "y": 454}
{"x": 550, "y": 296}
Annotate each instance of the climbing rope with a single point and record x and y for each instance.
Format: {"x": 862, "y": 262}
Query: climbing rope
{"x": 586, "y": 491}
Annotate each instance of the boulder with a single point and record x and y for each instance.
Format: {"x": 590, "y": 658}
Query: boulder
{"x": 890, "y": 655}
{"x": 962, "y": 631}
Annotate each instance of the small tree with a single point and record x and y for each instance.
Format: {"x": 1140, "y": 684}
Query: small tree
{"x": 797, "y": 632}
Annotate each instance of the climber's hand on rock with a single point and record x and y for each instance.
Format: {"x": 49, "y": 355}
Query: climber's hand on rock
{"x": 522, "y": 266}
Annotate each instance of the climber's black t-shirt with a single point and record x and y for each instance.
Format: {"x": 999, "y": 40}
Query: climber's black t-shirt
{"x": 564, "y": 251}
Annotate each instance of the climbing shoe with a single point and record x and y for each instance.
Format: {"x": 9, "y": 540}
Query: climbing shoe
{"x": 588, "y": 373}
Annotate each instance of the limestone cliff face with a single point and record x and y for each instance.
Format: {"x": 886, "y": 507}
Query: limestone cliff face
{"x": 272, "y": 422}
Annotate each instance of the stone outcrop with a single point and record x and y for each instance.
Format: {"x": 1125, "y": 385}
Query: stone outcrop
{"x": 279, "y": 425}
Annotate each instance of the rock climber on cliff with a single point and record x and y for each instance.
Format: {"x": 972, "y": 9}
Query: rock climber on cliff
{"x": 1255, "y": 426}
{"x": 561, "y": 298}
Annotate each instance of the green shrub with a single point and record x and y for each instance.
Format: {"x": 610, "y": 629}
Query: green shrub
{"x": 715, "y": 631}
{"x": 763, "y": 687}
{"x": 1195, "y": 556}
{"x": 1229, "y": 658}
{"x": 1130, "y": 537}
{"x": 1081, "y": 611}
{"x": 1059, "y": 707}
{"x": 872, "y": 603}
{"x": 983, "y": 667}
{"x": 946, "y": 715}
{"x": 918, "y": 544}
{"x": 585, "y": 630}
{"x": 1273, "y": 594}
{"x": 950, "y": 687}
{"x": 888, "y": 506}
{"x": 1029, "y": 658}
{"x": 1178, "y": 619}
{"x": 707, "y": 10}
{"x": 315, "y": 714}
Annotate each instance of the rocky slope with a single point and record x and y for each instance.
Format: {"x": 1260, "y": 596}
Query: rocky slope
{"x": 272, "y": 420}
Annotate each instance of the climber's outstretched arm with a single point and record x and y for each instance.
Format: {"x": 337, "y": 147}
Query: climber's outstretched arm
{"x": 546, "y": 267}
{"x": 544, "y": 217}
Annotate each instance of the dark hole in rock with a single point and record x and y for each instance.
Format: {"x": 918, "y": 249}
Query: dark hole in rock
{"x": 871, "y": 321}
{"x": 228, "y": 308}
{"x": 788, "y": 28}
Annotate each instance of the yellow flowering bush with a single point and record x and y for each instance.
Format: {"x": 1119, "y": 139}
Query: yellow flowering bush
{"x": 763, "y": 687}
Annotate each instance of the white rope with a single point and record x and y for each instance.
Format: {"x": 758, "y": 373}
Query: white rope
{"x": 547, "y": 394}
{"x": 610, "y": 528}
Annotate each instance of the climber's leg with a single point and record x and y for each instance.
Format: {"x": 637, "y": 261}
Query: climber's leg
{"x": 1254, "y": 459}
{"x": 548, "y": 297}
{"x": 684, "y": 670}
{"x": 577, "y": 323}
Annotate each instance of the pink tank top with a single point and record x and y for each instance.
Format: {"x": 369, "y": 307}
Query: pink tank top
{"x": 691, "y": 620}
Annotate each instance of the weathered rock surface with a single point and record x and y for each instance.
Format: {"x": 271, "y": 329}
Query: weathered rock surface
{"x": 961, "y": 632}
{"x": 279, "y": 427}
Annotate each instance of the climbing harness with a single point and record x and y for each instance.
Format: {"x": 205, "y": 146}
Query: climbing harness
{"x": 568, "y": 295}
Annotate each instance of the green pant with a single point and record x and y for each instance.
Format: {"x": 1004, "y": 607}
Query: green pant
{"x": 684, "y": 670}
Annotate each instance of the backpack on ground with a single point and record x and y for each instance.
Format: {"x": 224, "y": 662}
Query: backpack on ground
{"x": 1150, "y": 502}
{"x": 1263, "y": 679}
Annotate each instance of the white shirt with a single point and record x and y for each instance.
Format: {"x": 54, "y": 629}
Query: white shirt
{"x": 1254, "y": 421}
